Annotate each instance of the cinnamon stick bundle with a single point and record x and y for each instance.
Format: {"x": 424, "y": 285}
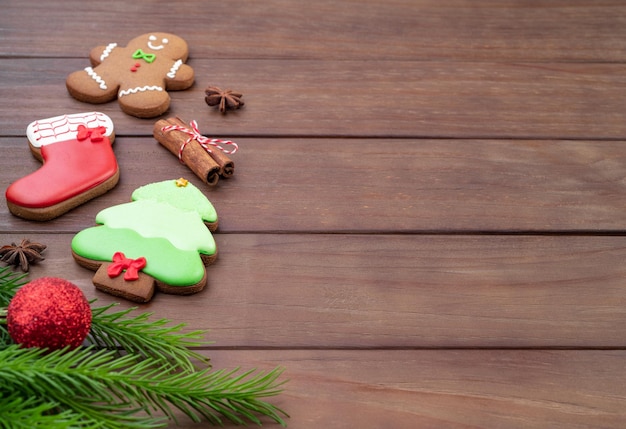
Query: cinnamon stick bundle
{"x": 209, "y": 166}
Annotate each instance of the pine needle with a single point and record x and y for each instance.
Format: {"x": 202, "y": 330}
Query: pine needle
{"x": 10, "y": 281}
{"x": 28, "y": 413}
{"x": 153, "y": 339}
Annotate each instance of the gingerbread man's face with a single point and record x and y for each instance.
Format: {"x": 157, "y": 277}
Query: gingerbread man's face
{"x": 166, "y": 44}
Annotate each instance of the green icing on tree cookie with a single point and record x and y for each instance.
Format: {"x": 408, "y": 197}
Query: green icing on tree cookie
{"x": 149, "y": 218}
{"x": 165, "y": 262}
{"x": 186, "y": 197}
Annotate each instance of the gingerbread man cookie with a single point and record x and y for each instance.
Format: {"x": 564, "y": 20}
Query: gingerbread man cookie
{"x": 138, "y": 75}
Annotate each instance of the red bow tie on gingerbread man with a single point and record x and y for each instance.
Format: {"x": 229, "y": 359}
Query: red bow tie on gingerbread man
{"x": 141, "y": 88}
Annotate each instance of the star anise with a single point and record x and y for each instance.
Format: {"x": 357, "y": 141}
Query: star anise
{"x": 23, "y": 254}
{"x": 226, "y": 99}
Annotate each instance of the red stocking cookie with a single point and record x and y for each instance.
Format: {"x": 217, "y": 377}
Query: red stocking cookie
{"x": 138, "y": 75}
{"x": 79, "y": 165}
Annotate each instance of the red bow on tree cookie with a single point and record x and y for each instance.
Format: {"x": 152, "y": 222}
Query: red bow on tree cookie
{"x": 96, "y": 134}
{"x": 121, "y": 263}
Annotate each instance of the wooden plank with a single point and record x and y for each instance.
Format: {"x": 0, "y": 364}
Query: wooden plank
{"x": 376, "y": 185}
{"x": 356, "y": 98}
{"x": 439, "y": 388}
{"x": 426, "y": 224}
{"x": 564, "y": 30}
{"x": 355, "y": 291}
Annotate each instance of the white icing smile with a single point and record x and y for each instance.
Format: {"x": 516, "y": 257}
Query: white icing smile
{"x": 152, "y": 38}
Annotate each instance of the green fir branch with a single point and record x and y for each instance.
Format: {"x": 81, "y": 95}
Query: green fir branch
{"x": 5, "y": 339}
{"x": 152, "y": 339}
{"x": 17, "y": 412}
{"x": 10, "y": 281}
{"x": 220, "y": 394}
{"x": 132, "y": 392}
{"x": 64, "y": 378}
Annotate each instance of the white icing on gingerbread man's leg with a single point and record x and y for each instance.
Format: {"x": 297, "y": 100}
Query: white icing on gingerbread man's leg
{"x": 139, "y": 89}
{"x": 95, "y": 76}
{"x": 93, "y": 88}
{"x": 144, "y": 101}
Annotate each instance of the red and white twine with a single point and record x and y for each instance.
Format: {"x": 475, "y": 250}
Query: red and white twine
{"x": 206, "y": 143}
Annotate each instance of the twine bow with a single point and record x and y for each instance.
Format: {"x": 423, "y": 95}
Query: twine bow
{"x": 83, "y": 133}
{"x": 205, "y": 142}
{"x": 141, "y": 55}
{"x": 121, "y": 263}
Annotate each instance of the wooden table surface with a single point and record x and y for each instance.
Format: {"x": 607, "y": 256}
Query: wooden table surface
{"x": 426, "y": 223}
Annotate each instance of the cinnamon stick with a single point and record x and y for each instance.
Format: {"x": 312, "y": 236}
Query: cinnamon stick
{"x": 227, "y": 166}
{"x": 193, "y": 155}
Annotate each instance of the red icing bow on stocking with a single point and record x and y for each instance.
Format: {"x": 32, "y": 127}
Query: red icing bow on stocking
{"x": 96, "y": 134}
{"x": 121, "y": 263}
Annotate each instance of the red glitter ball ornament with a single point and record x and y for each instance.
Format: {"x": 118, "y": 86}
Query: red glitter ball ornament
{"x": 50, "y": 313}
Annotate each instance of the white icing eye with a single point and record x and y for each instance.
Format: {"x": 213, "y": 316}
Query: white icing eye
{"x": 152, "y": 37}
{"x": 164, "y": 41}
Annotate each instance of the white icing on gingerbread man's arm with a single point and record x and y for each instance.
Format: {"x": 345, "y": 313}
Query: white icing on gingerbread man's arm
{"x": 180, "y": 76}
{"x": 174, "y": 69}
{"x": 107, "y": 51}
{"x": 100, "y": 53}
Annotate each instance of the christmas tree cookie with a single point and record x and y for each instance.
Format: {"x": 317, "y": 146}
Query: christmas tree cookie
{"x": 78, "y": 165}
{"x": 160, "y": 240}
